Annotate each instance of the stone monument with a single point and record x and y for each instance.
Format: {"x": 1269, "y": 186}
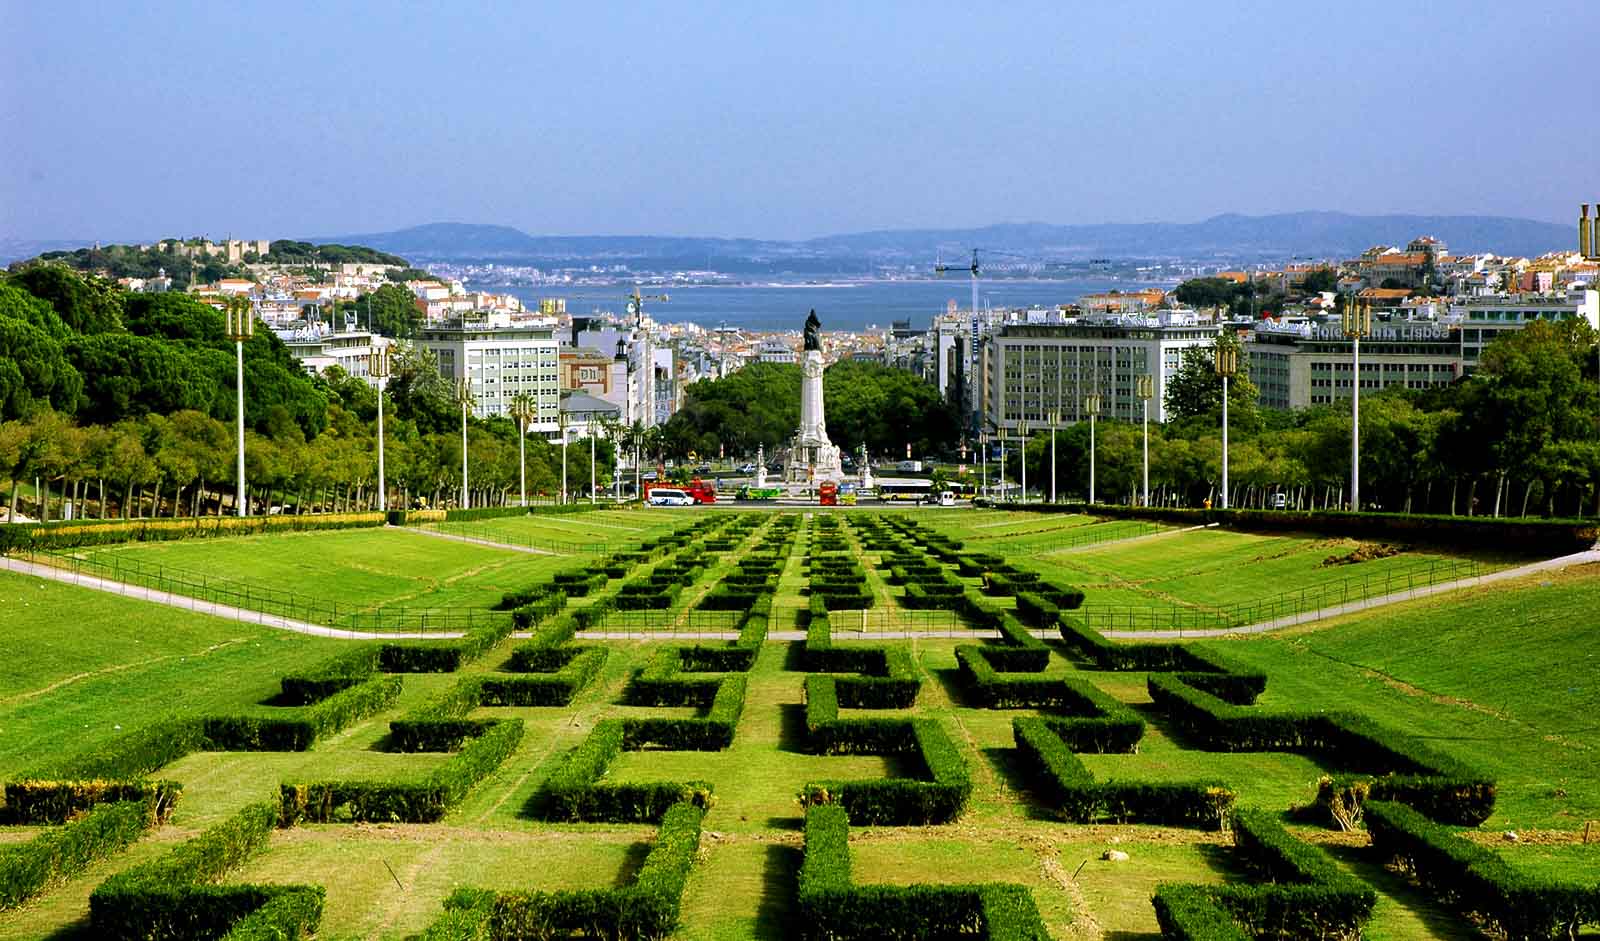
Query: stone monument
{"x": 812, "y": 457}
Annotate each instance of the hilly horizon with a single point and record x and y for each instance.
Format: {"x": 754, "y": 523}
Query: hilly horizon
{"x": 1228, "y": 236}
{"x": 1311, "y": 233}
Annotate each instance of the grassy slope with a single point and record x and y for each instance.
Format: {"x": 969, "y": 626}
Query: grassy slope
{"x": 742, "y": 886}
{"x": 362, "y": 568}
{"x": 80, "y": 663}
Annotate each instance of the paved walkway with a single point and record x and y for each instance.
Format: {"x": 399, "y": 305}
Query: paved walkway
{"x": 187, "y": 603}
{"x": 1320, "y": 614}
{"x": 473, "y": 540}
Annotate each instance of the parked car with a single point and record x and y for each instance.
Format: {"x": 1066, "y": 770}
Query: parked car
{"x": 668, "y": 496}
{"x": 746, "y": 469}
{"x": 703, "y": 469}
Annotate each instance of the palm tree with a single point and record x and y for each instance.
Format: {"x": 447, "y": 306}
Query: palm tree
{"x": 465, "y": 399}
{"x": 524, "y": 408}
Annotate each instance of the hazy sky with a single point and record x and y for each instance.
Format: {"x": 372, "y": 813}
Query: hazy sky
{"x": 782, "y": 120}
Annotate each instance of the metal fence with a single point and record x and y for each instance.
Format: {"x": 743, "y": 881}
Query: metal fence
{"x": 1072, "y": 538}
{"x": 210, "y": 589}
{"x": 1316, "y": 598}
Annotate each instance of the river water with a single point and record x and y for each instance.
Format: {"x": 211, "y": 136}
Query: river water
{"x": 852, "y": 306}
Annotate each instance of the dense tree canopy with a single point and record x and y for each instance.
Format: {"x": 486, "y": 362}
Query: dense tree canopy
{"x": 759, "y": 405}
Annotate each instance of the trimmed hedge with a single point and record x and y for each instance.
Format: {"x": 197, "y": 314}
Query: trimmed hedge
{"x": 887, "y": 677}
{"x": 27, "y": 869}
{"x": 32, "y": 802}
{"x": 424, "y": 801}
{"x": 1198, "y": 665}
{"x": 1407, "y": 770}
{"x": 177, "y": 896}
{"x": 574, "y": 792}
{"x": 1478, "y": 881}
{"x": 1303, "y": 895}
{"x": 1075, "y": 793}
{"x": 647, "y": 909}
{"x": 24, "y": 537}
{"x": 833, "y": 908}
{"x": 892, "y": 801}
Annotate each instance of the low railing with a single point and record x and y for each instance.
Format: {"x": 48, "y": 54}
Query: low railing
{"x": 1314, "y": 599}
{"x": 209, "y": 590}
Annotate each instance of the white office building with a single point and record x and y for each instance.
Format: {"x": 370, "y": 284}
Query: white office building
{"x": 1031, "y": 369}
{"x": 501, "y": 362}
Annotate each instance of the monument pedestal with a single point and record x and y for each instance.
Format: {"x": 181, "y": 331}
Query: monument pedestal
{"x": 812, "y": 458}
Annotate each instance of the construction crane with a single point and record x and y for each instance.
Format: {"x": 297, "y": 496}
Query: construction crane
{"x": 636, "y": 303}
{"x": 940, "y": 268}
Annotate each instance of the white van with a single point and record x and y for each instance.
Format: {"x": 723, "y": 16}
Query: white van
{"x": 666, "y": 496}
{"x": 946, "y": 498}
{"x": 1280, "y": 501}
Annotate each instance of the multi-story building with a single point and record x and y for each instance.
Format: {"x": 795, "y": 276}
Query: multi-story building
{"x": 775, "y": 351}
{"x": 589, "y": 370}
{"x": 1482, "y": 319}
{"x": 501, "y": 361}
{"x": 1298, "y": 365}
{"x": 1031, "y": 370}
{"x": 316, "y": 346}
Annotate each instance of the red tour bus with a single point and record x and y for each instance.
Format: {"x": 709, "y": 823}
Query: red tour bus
{"x": 828, "y": 493}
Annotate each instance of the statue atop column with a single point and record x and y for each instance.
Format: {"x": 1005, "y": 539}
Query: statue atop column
{"x": 812, "y": 457}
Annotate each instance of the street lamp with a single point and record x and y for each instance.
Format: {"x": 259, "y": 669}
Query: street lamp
{"x": 464, "y": 396}
{"x": 561, "y": 421}
{"x": 1091, "y": 407}
{"x": 983, "y": 460}
{"x": 1227, "y": 363}
{"x": 1022, "y": 429}
{"x": 1145, "y": 387}
{"x": 378, "y": 369}
{"x": 240, "y": 326}
{"x": 589, "y": 429}
{"x": 1055, "y": 421}
{"x": 1356, "y": 318}
{"x": 524, "y": 408}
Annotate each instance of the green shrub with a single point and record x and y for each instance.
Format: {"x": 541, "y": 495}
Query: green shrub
{"x": 26, "y": 869}
{"x": 178, "y": 895}
{"x": 1402, "y": 768}
{"x": 331, "y": 676}
{"x": 1477, "y": 880}
{"x": 892, "y": 801}
{"x": 32, "y": 802}
{"x": 832, "y": 908}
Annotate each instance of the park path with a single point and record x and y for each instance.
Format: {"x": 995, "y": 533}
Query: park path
{"x": 473, "y": 540}
{"x": 171, "y": 600}
{"x": 1586, "y": 557}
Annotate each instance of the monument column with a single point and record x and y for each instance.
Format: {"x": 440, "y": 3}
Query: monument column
{"x": 812, "y": 457}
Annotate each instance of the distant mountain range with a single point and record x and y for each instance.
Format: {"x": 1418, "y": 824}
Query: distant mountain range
{"x": 1316, "y": 234}
{"x": 1229, "y": 237}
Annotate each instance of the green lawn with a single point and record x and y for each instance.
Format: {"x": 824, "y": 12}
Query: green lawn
{"x": 80, "y": 663}
{"x": 337, "y": 575}
{"x": 1237, "y": 578}
{"x": 1503, "y": 677}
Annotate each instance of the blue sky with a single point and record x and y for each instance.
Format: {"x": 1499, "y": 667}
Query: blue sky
{"x": 782, "y": 120}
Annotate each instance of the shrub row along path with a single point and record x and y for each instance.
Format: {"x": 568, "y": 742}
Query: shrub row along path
{"x": 187, "y": 603}
{"x": 1587, "y": 557}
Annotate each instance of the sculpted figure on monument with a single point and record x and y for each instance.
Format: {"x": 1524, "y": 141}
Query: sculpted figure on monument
{"x": 813, "y": 328}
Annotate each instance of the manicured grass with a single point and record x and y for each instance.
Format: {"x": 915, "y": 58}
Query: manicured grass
{"x": 79, "y": 664}
{"x": 359, "y": 570}
{"x": 1502, "y": 677}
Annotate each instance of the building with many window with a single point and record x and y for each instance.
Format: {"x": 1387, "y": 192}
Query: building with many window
{"x": 1298, "y": 365}
{"x": 1032, "y": 369}
{"x": 500, "y": 362}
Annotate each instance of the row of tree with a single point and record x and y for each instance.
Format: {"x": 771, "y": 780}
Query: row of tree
{"x": 127, "y": 401}
{"x": 1521, "y": 435}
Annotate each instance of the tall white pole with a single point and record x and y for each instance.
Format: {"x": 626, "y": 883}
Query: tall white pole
{"x": 983, "y": 462}
{"x": 1052, "y": 462}
{"x": 1092, "y": 415}
{"x": 383, "y": 491}
{"x": 1024, "y": 468}
{"x": 1146, "y": 452}
{"x": 563, "y": 464}
{"x": 1002, "y": 466}
{"x": 1355, "y": 423}
{"x": 1224, "y": 441}
{"x": 240, "y": 501}
{"x": 522, "y": 463}
{"x": 465, "y": 503}
{"x": 591, "y": 467}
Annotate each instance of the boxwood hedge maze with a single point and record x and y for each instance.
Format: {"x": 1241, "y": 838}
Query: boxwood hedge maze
{"x": 771, "y": 724}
